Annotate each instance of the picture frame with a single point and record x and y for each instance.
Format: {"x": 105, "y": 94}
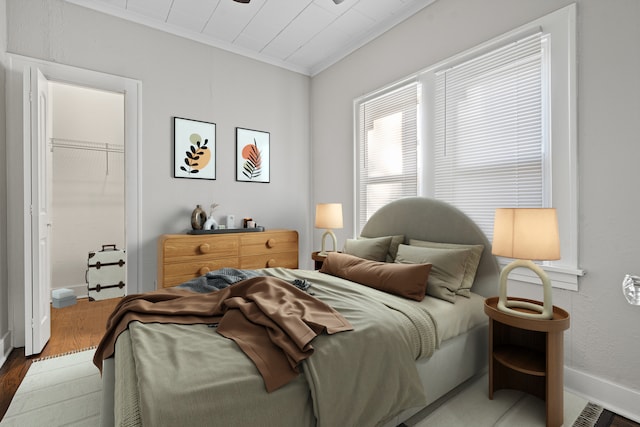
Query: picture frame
{"x": 252, "y": 155}
{"x": 194, "y": 143}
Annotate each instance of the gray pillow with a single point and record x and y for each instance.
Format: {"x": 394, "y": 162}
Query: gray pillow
{"x": 447, "y": 271}
{"x": 393, "y": 247}
{"x": 374, "y": 249}
{"x": 471, "y": 266}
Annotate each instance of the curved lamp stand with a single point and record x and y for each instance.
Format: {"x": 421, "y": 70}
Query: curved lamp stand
{"x": 544, "y": 312}
{"x": 333, "y": 237}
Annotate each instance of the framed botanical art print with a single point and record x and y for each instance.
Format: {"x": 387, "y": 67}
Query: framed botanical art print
{"x": 194, "y": 145}
{"x": 252, "y": 155}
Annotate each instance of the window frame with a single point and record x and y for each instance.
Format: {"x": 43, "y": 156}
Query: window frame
{"x": 562, "y": 190}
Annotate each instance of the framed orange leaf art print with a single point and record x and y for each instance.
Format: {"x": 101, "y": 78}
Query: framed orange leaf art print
{"x": 194, "y": 144}
{"x": 252, "y": 155}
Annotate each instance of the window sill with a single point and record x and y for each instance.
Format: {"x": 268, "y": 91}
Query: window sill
{"x": 561, "y": 277}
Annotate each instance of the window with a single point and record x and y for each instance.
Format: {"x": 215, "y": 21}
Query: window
{"x": 387, "y": 149}
{"x": 490, "y": 145}
{"x": 493, "y": 132}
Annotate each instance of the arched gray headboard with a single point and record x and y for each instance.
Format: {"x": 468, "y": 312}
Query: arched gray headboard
{"x": 436, "y": 221}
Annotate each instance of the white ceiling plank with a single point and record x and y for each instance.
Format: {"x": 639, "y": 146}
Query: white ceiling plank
{"x": 303, "y": 28}
{"x": 191, "y": 15}
{"x": 301, "y": 35}
{"x": 379, "y": 10}
{"x": 353, "y": 24}
{"x": 273, "y": 18}
{"x": 230, "y": 18}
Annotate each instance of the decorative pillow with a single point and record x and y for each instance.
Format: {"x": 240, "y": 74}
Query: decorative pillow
{"x": 372, "y": 249}
{"x": 406, "y": 280}
{"x": 470, "y": 268}
{"x": 447, "y": 271}
{"x": 393, "y": 246}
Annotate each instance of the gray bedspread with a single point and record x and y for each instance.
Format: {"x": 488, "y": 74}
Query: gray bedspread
{"x": 190, "y": 375}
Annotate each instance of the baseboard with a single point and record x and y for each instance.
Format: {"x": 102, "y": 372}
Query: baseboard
{"x": 5, "y": 347}
{"x": 621, "y": 400}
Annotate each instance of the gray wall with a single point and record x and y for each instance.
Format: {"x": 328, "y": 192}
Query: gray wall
{"x": 604, "y": 339}
{"x": 4, "y": 288}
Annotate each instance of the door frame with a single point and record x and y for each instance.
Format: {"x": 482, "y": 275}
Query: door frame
{"x": 20, "y": 175}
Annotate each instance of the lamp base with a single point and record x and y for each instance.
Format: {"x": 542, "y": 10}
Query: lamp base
{"x": 323, "y": 252}
{"x": 504, "y": 304}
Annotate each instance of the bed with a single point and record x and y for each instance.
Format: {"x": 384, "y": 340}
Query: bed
{"x": 402, "y": 355}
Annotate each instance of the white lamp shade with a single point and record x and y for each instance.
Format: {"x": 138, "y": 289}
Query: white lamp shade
{"x": 526, "y": 233}
{"x": 329, "y": 215}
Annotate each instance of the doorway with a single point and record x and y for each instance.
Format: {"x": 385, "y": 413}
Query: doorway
{"x": 24, "y": 283}
{"x": 88, "y": 179}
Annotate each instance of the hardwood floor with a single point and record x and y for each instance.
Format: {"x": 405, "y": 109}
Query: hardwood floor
{"x": 73, "y": 328}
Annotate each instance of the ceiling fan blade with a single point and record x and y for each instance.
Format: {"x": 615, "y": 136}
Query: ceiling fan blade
{"x": 242, "y": 1}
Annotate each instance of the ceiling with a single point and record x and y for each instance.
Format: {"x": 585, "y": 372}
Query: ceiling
{"x": 305, "y": 36}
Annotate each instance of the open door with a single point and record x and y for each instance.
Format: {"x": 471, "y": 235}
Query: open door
{"x": 38, "y": 308}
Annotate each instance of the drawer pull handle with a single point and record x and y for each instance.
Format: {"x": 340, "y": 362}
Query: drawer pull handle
{"x": 203, "y": 271}
{"x": 271, "y": 263}
{"x": 204, "y": 248}
{"x": 271, "y": 243}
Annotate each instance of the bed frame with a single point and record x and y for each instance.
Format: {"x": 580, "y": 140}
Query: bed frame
{"x": 465, "y": 356}
{"x": 457, "y": 359}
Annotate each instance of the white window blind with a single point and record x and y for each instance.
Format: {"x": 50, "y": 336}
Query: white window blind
{"x": 387, "y": 149}
{"x": 490, "y": 131}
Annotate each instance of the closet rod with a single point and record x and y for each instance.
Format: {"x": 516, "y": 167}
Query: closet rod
{"x": 86, "y": 145}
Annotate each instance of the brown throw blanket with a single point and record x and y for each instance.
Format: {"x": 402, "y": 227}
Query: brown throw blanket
{"x": 271, "y": 320}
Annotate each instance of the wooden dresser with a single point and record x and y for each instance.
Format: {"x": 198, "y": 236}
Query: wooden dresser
{"x": 182, "y": 257}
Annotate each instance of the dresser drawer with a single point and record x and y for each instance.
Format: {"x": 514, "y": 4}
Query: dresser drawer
{"x": 282, "y": 259}
{"x": 186, "y": 248}
{"x": 177, "y": 273}
{"x": 269, "y": 242}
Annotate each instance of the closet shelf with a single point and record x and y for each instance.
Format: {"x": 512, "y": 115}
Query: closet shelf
{"x": 75, "y": 144}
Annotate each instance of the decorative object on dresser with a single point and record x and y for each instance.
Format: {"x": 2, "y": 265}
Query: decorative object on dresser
{"x": 328, "y": 216}
{"x": 182, "y": 257}
{"x": 194, "y": 144}
{"x": 198, "y": 218}
{"x": 526, "y": 234}
{"x": 526, "y": 354}
{"x": 252, "y": 155}
{"x": 210, "y": 223}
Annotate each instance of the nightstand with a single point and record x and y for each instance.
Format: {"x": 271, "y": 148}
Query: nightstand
{"x": 318, "y": 260}
{"x": 527, "y": 355}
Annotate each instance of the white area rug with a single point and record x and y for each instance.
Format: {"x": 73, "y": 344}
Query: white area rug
{"x": 67, "y": 391}
{"x": 60, "y": 391}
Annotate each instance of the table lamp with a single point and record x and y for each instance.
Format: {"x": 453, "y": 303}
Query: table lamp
{"x": 526, "y": 234}
{"x": 328, "y": 216}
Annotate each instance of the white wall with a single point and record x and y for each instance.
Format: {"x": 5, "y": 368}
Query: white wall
{"x": 603, "y": 342}
{"x": 88, "y": 185}
{"x": 5, "y": 346}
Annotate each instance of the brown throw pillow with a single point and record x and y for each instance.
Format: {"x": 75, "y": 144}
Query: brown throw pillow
{"x": 406, "y": 280}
